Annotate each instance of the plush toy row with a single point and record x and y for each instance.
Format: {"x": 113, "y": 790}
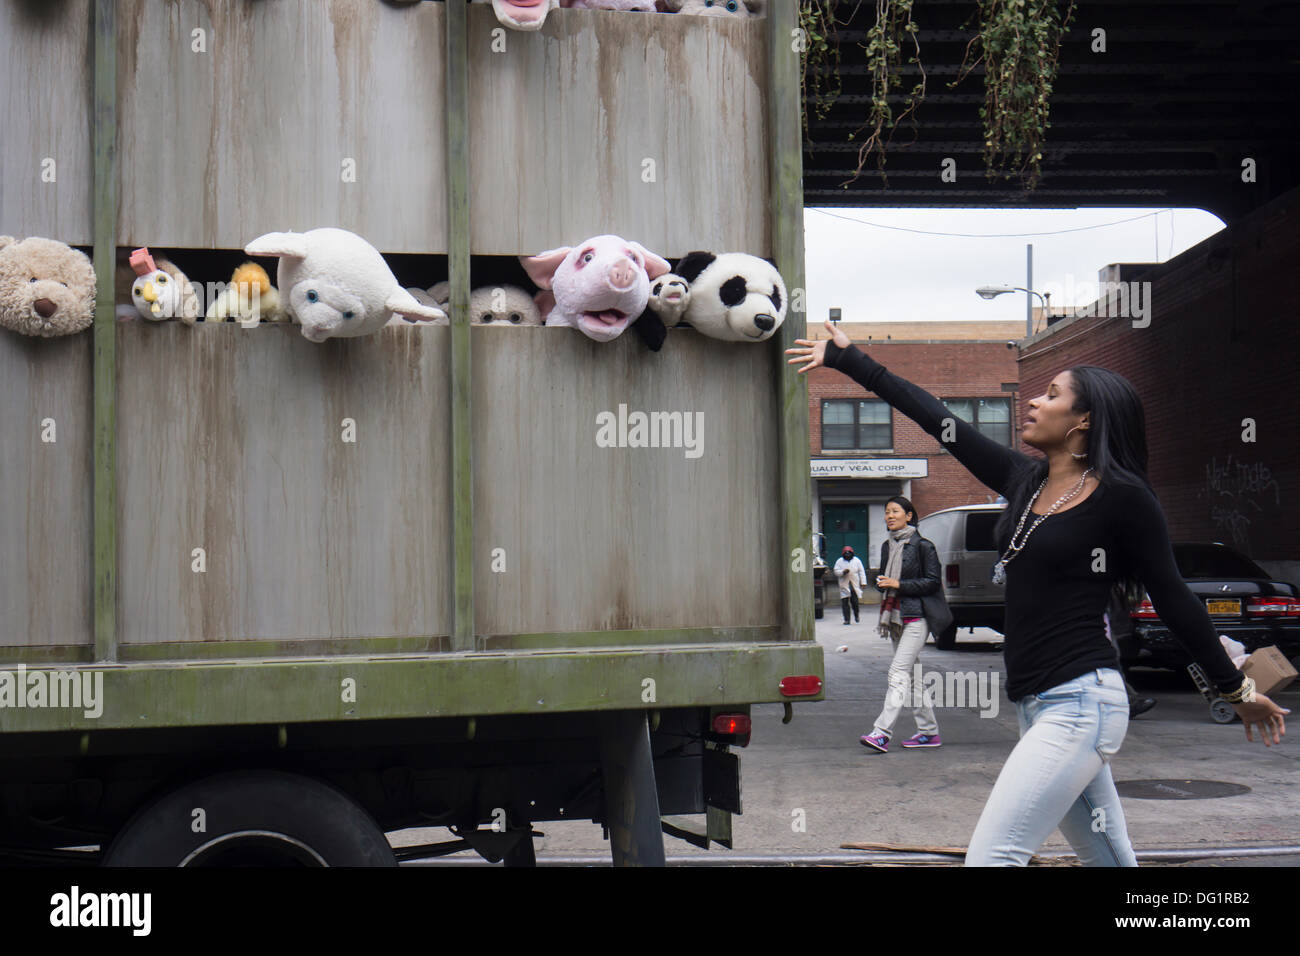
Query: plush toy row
{"x": 336, "y": 285}
{"x": 531, "y": 14}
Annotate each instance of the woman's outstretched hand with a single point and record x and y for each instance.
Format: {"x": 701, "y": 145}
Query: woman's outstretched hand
{"x": 1265, "y": 715}
{"x": 814, "y": 353}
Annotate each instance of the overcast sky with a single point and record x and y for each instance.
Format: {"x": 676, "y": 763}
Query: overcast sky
{"x": 864, "y": 262}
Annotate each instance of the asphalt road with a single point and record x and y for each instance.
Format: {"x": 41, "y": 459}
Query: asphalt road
{"x": 809, "y": 786}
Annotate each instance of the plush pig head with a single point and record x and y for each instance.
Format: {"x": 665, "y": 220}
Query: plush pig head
{"x": 522, "y": 14}
{"x": 336, "y": 284}
{"x": 597, "y": 287}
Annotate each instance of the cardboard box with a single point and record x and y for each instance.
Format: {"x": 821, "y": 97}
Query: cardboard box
{"x": 1270, "y": 670}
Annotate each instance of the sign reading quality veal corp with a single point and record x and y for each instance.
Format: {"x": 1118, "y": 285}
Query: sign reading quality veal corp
{"x": 870, "y": 468}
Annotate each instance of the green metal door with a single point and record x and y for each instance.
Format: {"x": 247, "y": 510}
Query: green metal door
{"x": 845, "y": 524}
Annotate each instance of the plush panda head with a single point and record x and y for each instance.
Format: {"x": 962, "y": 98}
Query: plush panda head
{"x": 734, "y": 296}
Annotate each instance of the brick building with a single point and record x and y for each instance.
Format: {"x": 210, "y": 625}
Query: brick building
{"x": 1218, "y": 370}
{"x": 863, "y": 451}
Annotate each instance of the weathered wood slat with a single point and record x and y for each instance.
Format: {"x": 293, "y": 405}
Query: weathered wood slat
{"x": 565, "y": 122}
{"x": 45, "y": 99}
{"x": 231, "y": 440}
{"x": 786, "y": 214}
{"x": 45, "y": 515}
{"x": 607, "y": 538}
{"x": 251, "y": 136}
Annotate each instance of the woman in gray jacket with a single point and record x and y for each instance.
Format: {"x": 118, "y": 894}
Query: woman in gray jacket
{"x": 911, "y": 606}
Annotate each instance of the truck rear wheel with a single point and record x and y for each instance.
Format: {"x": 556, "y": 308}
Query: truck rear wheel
{"x": 252, "y": 818}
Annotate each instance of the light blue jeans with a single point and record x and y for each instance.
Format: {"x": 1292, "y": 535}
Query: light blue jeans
{"x": 904, "y": 690}
{"x": 1059, "y": 775}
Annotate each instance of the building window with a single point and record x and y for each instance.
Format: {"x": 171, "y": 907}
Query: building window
{"x": 856, "y": 425}
{"x": 991, "y": 416}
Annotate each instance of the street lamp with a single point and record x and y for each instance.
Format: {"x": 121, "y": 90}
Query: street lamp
{"x": 993, "y": 291}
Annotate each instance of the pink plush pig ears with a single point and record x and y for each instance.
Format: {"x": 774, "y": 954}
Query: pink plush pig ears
{"x": 541, "y": 267}
{"x": 142, "y": 262}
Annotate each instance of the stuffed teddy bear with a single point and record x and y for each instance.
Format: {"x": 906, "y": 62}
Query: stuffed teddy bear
{"x": 248, "y": 298}
{"x": 158, "y": 289}
{"x": 734, "y": 296}
{"x": 670, "y": 297}
{"x": 335, "y": 284}
{"x": 597, "y": 287}
{"x": 47, "y": 288}
{"x": 522, "y": 14}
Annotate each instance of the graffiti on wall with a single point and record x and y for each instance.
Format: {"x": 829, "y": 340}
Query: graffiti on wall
{"x": 1239, "y": 491}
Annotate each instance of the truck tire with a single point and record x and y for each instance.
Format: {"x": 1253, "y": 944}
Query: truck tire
{"x": 946, "y": 639}
{"x": 251, "y": 818}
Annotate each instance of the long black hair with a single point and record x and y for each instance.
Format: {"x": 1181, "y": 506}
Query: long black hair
{"x": 905, "y": 505}
{"x": 1117, "y": 445}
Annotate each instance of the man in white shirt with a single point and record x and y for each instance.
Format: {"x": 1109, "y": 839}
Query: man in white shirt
{"x": 853, "y": 578}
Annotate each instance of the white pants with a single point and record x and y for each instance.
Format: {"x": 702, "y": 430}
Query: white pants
{"x": 907, "y": 647}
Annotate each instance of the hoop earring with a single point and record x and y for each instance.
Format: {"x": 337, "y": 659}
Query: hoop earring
{"x": 1072, "y": 454}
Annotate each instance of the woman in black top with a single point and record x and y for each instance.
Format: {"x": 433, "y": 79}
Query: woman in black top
{"x": 1079, "y": 518}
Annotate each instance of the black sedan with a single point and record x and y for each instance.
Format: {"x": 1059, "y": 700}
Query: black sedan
{"x": 1244, "y": 602}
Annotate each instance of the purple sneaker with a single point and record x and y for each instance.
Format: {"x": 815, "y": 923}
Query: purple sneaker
{"x": 923, "y": 740}
{"x": 875, "y": 741}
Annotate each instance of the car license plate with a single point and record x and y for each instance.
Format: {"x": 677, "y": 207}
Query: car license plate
{"x": 1224, "y": 606}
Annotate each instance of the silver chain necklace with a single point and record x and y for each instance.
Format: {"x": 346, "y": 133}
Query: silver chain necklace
{"x": 1013, "y": 549}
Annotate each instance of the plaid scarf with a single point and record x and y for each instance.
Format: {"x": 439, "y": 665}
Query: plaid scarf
{"x": 891, "y": 618}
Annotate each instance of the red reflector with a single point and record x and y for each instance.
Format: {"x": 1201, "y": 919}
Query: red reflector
{"x": 731, "y": 724}
{"x": 952, "y": 575}
{"x": 1274, "y": 606}
{"x": 801, "y": 686}
{"x": 1145, "y": 611}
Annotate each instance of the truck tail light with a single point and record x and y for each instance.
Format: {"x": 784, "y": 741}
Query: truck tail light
{"x": 1273, "y": 607}
{"x": 803, "y": 686}
{"x": 731, "y": 725}
{"x": 952, "y": 575}
{"x": 1145, "y": 611}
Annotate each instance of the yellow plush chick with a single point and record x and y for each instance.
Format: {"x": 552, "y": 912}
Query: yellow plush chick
{"x": 248, "y": 298}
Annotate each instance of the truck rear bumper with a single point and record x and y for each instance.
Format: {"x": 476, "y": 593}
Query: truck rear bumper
{"x": 90, "y": 697}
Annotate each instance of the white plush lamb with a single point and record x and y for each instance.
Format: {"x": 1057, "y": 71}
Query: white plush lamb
{"x": 336, "y": 284}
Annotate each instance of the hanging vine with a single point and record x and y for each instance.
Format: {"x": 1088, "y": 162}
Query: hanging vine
{"x": 1019, "y": 44}
{"x": 821, "y": 58}
{"x": 893, "y": 30}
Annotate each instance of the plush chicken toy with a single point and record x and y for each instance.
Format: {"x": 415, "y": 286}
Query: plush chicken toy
{"x": 161, "y": 291}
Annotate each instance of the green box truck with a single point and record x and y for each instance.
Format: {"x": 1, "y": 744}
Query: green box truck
{"x": 264, "y": 600}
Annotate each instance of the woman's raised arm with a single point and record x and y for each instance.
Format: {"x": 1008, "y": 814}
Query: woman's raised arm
{"x": 993, "y": 463}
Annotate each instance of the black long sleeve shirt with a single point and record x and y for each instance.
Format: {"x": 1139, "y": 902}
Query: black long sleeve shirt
{"x": 1058, "y": 586}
